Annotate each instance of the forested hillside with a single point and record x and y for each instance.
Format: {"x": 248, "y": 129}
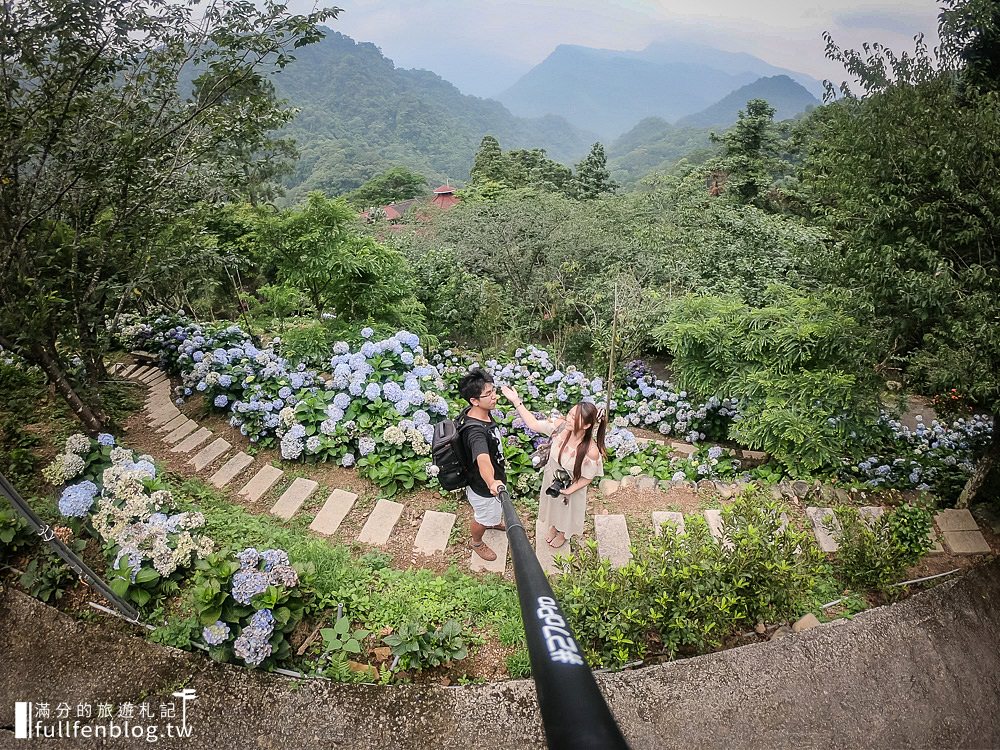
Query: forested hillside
{"x": 360, "y": 115}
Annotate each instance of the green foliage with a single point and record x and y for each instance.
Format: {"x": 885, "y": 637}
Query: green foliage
{"x": 317, "y": 249}
{"x": 418, "y": 648}
{"x": 655, "y": 145}
{"x": 393, "y": 474}
{"x": 47, "y": 577}
{"x": 592, "y": 178}
{"x": 800, "y": 367}
{"x": 148, "y": 587}
{"x": 687, "y": 592}
{"x": 339, "y": 638}
{"x": 875, "y": 552}
{"x": 98, "y": 213}
{"x": 15, "y": 534}
{"x": 179, "y": 632}
{"x": 393, "y": 185}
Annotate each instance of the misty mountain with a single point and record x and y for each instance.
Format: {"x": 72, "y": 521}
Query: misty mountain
{"x": 609, "y": 91}
{"x": 655, "y": 145}
{"x": 781, "y": 92}
{"x": 360, "y": 115}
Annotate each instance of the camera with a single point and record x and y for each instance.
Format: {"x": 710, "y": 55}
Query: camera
{"x": 560, "y": 482}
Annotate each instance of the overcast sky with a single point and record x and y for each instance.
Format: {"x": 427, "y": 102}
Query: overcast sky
{"x": 483, "y": 46}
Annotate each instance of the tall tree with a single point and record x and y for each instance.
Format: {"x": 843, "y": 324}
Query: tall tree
{"x": 592, "y": 178}
{"x": 905, "y": 175}
{"x": 102, "y": 153}
{"x": 488, "y": 165}
{"x": 749, "y": 160}
{"x": 396, "y": 184}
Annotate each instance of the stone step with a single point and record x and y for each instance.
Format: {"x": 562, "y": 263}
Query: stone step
{"x": 434, "y": 532}
{"x": 674, "y": 518}
{"x": 156, "y": 381}
{"x": 333, "y": 512}
{"x": 713, "y": 516}
{"x": 261, "y": 482}
{"x": 961, "y": 532}
{"x": 127, "y": 370}
{"x": 186, "y": 428}
{"x": 140, "y": 373}
{"x": 210, "y": 454}
{"x": 378, "y": 528}
{"x": 234, "y": 466}
{"x": 613, "y": 540}
{"x": 956, "y": 519}
{"x": 544, "y": 551}
{"x": 154, "y": 374}
{"x": 162, "y": 415}
{"x": 826, "y": 537}
{"x": 291, "y": 499}
{"x": 192, "y": 441}
{"x": 496, "y": 541}
{"x": 172, "y": 424}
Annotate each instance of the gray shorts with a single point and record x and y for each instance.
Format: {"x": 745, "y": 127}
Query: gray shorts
{"x": 487, "y": 510}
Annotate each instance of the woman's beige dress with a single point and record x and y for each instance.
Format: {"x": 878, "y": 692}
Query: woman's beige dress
{"x": 566, "y": 517}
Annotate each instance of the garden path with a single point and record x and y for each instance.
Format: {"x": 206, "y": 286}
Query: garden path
{"x": 958, "y": 528}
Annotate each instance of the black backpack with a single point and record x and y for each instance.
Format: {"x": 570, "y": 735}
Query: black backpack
{"x": 449, "y": 454}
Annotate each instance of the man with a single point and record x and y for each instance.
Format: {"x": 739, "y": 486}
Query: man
{"x": 484, "y": 448}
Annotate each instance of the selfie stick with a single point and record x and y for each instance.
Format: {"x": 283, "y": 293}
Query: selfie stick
{"x": 574, "y": 713}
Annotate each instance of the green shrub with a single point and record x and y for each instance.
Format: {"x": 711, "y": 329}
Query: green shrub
{"x": 418, "y": 648}
{"x": 686, "y": 592}
{"x": 875, "y": 552}
{"x": 47, "y": 577}
{"x": 15, "y": 534}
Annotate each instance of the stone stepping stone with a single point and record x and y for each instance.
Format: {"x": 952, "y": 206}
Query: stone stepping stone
{"x": 661, "y": 517}
{"x": 496, "y": 541}
{"x": 127, "y": 370}
{"x": 434, "y": 532}
{"x": 186, "y": 428}
{"x": 162, "y": 415}
{"x": 820, "y": 517}
{"x": 378, "y": 528}
{"x": 643, "y": 482}
{"x": 209, "y": 454}
{"x": 262, "y": 481}
{"x": 235, "y": 465}
{"x": 543, "y": 550}
{"x": 713, "y": 516}
{"x": 292, "y": 498}
{"x": 192, "y": 441}
{"x": 956, "y": 519}
{"x": 333, "y": 512}
{"x": 612, "y": 539}
{"x": 173, "y": 424}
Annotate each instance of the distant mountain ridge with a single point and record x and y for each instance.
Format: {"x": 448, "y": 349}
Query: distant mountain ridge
{"x": 360, "y": 115}
{"x": 609, "y": 91}
{"x": 786, "y": 96}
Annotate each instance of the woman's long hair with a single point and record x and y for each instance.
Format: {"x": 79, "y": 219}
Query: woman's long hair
{"x": 587, "y": 412}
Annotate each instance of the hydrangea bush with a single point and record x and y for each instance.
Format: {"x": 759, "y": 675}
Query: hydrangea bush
{"x": 149, "y": 541}
{"x": 250, "y": 603}
{"x": 372, "y": 405}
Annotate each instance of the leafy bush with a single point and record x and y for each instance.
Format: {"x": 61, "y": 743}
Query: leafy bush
{"x": 875, "y": 552}
{"x": 687, "y": 592}
{"x": 47, "y": 577}
{"x": 799, "y": 365}
{"x": 15, "y": 534}
{"x": 418, "y": 648}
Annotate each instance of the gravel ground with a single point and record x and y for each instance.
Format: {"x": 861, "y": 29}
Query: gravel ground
{"x": 924, "y": 673}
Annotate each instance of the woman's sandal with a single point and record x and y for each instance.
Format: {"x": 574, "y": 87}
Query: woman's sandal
{"x": 551, "y": 535}
{"x": 557, "y": 546}
{"x": 484, "y": 552}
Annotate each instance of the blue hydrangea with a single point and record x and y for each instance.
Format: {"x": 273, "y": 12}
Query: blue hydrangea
{"x": 341, "y": 348}
{"x": 342, "y": 400}
{"x": 248, "y": 558}
{"x": 367, "y": 333}
{"x": 284, "y": 392}
{"x": 366, "y": 445}
{"x": 225, "y": 380}
{"x": 77, "y": 500}
{"x": 106, "y": 439}
{"x": 252, "y": 646}
{"x": 216, "y": 634}
{"x": 221, "y": 400}
{"x": 372, "y": 391}
{"x": 347, "y": 460}
{"x": 273, "y": 557}
{"x": 247, "y": 583}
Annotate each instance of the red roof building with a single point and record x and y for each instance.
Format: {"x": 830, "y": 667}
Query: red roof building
{"x": 444, "y": 197}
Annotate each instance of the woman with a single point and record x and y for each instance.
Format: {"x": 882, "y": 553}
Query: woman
{"x": 574, "y": 449}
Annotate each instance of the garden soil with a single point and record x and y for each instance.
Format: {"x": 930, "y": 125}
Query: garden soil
{"x": 923, "y": 673}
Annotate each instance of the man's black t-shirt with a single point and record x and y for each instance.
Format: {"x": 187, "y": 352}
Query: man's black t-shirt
{"x": 483, "y": 437}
